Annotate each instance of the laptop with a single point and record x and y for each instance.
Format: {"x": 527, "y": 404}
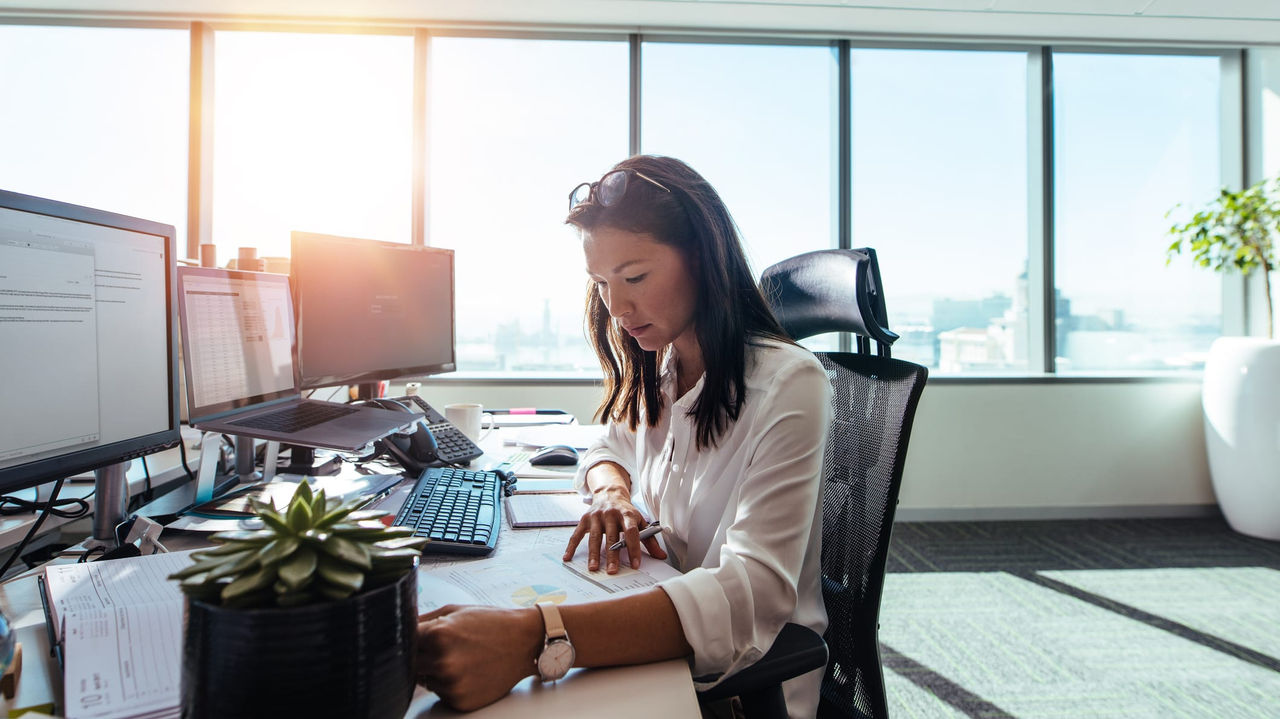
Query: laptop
{"x": 241, "y": 364}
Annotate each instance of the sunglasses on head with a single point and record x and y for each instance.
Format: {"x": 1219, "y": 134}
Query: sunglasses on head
{"x": 609, "y": 189}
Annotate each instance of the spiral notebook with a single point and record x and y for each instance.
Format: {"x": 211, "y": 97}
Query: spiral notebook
{"x": 545, "y": 510}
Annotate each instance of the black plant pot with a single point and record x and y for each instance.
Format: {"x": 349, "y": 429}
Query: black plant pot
{"x": 351, "y": 658}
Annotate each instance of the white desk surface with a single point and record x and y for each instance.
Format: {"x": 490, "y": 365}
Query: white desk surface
{"x": 666, "y": 687}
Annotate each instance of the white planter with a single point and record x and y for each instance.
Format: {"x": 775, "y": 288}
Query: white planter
{"x": 1241, "y": 399}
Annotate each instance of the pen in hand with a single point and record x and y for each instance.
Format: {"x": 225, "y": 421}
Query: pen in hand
{"x": 649, "y": 531}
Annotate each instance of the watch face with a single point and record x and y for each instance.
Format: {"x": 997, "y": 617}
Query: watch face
{"x": 556, "y": 660}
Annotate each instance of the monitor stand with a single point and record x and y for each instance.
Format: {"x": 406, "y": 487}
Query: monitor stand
{"x": 302, "y": 460}
{"x": 208, "y": 485}
{"x": 246, "y": 460}
{"x": 111, "y": 502}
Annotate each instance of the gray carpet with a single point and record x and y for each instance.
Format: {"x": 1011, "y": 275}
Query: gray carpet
{"x": 1099, "y": 618}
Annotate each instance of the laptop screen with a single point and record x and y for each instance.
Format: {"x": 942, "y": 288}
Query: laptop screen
{"x": 237, "y": 339}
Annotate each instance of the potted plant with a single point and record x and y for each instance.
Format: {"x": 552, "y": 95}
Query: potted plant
{"x": 315, "y": 614}
{"x": 1241, "y": 393}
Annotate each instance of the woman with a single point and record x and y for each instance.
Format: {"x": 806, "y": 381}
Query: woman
{"x": 716, "y": 424}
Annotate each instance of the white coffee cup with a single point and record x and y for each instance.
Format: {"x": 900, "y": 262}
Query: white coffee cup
{"x": 471, "y": 418}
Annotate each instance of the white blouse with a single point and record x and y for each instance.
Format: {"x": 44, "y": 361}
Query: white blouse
{"x": 741, "y": 519}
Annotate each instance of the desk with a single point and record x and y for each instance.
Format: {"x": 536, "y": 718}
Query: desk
{"x": 666, "y": 687}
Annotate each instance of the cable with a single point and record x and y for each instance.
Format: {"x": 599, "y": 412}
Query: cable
{"x": 100, "y": 549}
{"x": 10, "y": 505}
{"x": 182, "y": 450}
{"x": 17, "y": 552}
{"x": 146, "y": 487}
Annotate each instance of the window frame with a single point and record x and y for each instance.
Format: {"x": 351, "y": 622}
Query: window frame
{"x": 1235, "y": 142}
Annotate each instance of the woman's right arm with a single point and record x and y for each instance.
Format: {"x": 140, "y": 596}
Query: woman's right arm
{"x": 611, "y": 515}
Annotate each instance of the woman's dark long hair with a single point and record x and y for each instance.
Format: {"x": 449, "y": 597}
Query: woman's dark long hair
{"x": 730, "y": 310}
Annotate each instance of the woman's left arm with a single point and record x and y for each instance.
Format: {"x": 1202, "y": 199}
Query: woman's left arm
{"x": 472, "y": 656}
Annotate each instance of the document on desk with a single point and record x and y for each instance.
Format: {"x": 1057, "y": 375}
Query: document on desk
{"x": 120, "y": 627}
{"x": 578, "y": 436}
{"x": 545, "y": 510}
{"x": 520, "y": 579}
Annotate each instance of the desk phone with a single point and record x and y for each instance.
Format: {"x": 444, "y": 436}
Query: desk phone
{"x": 452, "y": 446}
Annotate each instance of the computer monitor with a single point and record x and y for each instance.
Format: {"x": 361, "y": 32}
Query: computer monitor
{"x": 369, "y": 311}
{"x": 89, "y": 361}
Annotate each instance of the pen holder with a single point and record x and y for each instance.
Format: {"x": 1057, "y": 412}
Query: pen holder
{"x": 348, "y": 658}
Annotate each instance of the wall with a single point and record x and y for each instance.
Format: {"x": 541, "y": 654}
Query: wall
{"x": 1007, "y": 451}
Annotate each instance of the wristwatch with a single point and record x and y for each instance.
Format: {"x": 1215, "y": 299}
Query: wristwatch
{"x": 557, "y": 654}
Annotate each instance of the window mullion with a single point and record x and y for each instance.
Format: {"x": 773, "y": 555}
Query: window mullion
{"x": 1041, "y": 311}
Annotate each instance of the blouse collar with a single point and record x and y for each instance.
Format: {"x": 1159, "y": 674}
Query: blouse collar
{"x": 668, "y": 378}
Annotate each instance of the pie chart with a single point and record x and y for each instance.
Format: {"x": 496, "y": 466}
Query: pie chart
{"x": 528, "y": 596}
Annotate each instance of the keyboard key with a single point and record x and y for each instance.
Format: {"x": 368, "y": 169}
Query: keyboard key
{"x": 296, "y": 417}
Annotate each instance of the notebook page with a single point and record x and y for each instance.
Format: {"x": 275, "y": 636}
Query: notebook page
{"x": 123, "y": 661}
{"x": 116, "y": 583}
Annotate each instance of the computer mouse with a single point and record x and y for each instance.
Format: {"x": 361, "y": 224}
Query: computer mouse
{"x": 555, "y": 454}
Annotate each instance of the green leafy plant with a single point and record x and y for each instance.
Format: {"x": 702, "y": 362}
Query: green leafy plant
{"x": 1237, "y": 229}
{"x": 314, "y": 550}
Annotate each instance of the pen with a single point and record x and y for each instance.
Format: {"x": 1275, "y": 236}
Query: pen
{"x": 645, "y": 533}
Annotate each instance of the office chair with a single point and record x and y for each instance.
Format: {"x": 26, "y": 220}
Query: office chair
{"x": 874, "y": 403}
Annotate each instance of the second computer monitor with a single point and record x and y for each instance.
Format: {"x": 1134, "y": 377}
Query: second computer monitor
{"x": 370, "y": 310}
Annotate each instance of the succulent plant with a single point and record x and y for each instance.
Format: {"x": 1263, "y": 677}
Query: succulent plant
{"x": 314, "y": 550}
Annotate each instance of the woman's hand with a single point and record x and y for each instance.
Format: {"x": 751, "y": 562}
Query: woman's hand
{"x": 611, "y": 514}
{"x": 473, "y": 656}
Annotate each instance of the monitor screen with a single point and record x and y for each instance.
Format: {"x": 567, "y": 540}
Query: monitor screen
{"x": 369, "y": 310}
{"x": 89, "y": 362}
{"x": 237, "y": 339}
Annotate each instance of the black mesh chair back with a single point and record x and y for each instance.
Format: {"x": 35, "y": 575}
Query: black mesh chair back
{"x": 874, "y": 403}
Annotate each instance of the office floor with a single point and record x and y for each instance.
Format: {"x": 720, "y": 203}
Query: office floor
{"x": 1096, "y": 618}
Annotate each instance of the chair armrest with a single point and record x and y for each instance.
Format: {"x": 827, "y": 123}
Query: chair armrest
{"x": 797, "y": 650}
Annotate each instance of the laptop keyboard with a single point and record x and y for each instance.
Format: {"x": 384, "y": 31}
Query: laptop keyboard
{"x": 297, "y": 417}
{"x": 456, "y": 508}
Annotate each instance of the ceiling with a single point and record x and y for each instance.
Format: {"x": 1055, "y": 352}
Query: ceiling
{"x": 1254, "y": 22}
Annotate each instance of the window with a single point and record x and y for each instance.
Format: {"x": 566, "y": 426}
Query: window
{"x": 758, "y": 122}
{"x": 312, "y": 132}
{"x": 513, "y": 126}
{"x": 315, "y": 131}
{"x": 1134, "y": 135}
{"x": 939, "y": 190}
{"x": 97, "y": 117}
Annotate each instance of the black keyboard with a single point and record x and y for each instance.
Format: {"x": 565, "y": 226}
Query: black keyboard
{"x": 457, "y": 509}
{"x": 296, "y": 417}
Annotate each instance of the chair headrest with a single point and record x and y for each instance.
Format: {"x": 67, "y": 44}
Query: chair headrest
{"x": 829, "y": 291}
